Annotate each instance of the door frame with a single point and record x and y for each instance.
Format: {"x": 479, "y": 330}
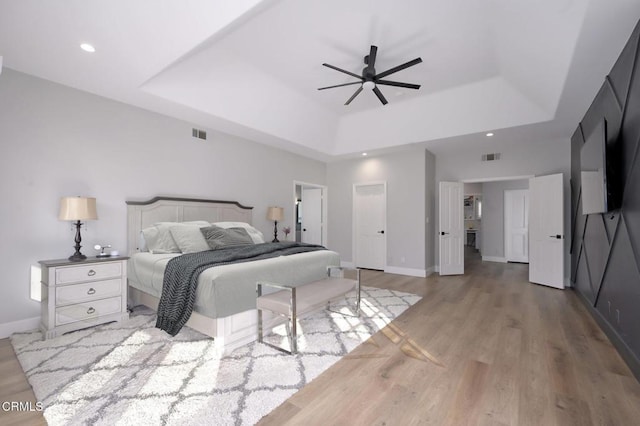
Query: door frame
{"x": 325, "y": 196}
{"x": 469, "y": 180}
{"x": 354, "y": 253}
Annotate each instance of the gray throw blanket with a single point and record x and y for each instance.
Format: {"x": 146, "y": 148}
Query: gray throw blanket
{"x": 182, "y": 272}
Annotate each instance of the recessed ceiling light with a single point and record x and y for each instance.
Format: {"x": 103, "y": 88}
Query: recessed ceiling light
{"x": 364, "y": 154}
{"x": 489, "y": 134}
{"x": 87, "y": 47}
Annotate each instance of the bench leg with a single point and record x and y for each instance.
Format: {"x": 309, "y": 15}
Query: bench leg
{"x": 260, "y": 332}
{"x": 293, "y": 337}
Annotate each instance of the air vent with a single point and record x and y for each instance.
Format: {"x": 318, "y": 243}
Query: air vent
{"x": 200, "y": 134}
{"x": 491, "y": 157}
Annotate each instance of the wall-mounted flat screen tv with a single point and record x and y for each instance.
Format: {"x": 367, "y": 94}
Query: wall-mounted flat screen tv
{"x": 597, "y": 172}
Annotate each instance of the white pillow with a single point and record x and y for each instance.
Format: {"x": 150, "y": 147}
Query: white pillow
{"x": 255, "y": 235}
{"x": 158, "y": 237}
{"x": 189, "y": 238}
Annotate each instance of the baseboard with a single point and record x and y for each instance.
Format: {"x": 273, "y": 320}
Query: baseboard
{"x": 436, "y": 269}
{"x": 8, "y": 328}
{"x": 625, "y": 352}
{"x": 346, "y": 264}
{"x": 494, "y": 259}
{"x": 422, "y": 273}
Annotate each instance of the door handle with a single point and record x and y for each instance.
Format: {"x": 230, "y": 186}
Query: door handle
{"x": 444, "y": 233}
{"x": 304, "y": 229}
{"x": 557, "y": 236}
{"x": 381, "y": 232}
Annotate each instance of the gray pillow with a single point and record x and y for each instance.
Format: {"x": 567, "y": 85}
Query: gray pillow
{"x": 218, "y": 238}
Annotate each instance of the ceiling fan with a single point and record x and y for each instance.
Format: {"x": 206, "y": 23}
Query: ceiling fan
{"x": 371, "y": 80}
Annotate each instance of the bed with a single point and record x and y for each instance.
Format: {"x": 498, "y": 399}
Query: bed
{"x": 225, "y": 298}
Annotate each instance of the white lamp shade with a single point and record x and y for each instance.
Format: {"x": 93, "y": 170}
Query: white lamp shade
{"x": 275, "y": 213}
{"x": 78, "y": 208}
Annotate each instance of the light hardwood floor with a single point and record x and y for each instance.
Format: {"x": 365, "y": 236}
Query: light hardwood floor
{"x": 486, "y": 348}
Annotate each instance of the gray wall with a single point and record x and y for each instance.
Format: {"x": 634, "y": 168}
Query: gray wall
{"x": 493, "y": 215}
{"x": 405, "y": 174}
{"x": 57, "y": 141}
{"x": 606, "y": 247}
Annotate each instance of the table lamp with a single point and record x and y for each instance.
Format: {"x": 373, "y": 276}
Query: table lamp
{"x": 276, "y": 214}
{"x": 77, "y": 209}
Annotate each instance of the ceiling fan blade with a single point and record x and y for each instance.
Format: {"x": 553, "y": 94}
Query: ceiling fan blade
{"x": 379, "y": 95}
{"x": 399, "y": 68}
{"x": 398, "y": 84}
{"x": 372, "y": 59}
{"x": 344, "y": 71}
{"x": 357, "y": 92}
{"x": 340, "y": 85}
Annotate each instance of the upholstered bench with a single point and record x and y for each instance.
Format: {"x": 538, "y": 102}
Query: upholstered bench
{"x": 293, "y": 302}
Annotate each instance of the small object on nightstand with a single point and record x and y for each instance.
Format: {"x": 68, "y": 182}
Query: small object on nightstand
{"x": 101, "y": 248}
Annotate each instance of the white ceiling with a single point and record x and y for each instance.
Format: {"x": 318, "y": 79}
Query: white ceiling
{"x": 526, "y": 70}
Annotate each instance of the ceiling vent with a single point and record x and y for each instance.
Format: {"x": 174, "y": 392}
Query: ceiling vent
{"x": 491, "y": 157}
{"x": 200, "y": 134}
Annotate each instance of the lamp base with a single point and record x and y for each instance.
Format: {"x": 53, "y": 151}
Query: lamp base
{"x": 77, "y": 257}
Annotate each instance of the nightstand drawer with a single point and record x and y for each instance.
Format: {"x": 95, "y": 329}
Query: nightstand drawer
{"x": 96, "y": 271}
{"x": 78, "y": 293}
{"x": 88, "y": 310}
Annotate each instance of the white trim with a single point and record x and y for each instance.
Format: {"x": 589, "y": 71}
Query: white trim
{"x": 412, "y": 272}
{"x": 436, "y": 269}
{"x": 494, "y": 259}
{"x": 28, "y": 324}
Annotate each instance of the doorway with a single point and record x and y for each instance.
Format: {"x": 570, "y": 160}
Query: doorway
{"x": 483, "y": 211}
{"x": 309, "y": 213}
{"x": 545, "y": 219}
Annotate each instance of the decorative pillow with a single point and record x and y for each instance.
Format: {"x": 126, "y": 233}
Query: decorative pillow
{"x": 218, "y": 238}
{"x": 255, "y": 235}
{"x": 158, "y": 236}
{"x": 189, "y": 239}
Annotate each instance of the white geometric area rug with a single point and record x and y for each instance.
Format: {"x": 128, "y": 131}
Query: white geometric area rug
{"x": 132, "y": 373}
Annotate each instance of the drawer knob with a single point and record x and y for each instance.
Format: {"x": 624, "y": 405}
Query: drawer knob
{"x": 91, "y": 291}
{"x": 90, "y": 310}
{"x": 91, "y": 272}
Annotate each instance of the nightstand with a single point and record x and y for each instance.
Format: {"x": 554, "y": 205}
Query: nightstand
{"x": 82, "y": 294}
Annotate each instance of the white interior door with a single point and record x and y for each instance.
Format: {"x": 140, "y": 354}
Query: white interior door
{"x": 370, "y": 211}
{"x": 451, "y": 233}
{"x": 516, "y": 225}
{"x": 311, "y": 216}
{"x": 546, "y": 230}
